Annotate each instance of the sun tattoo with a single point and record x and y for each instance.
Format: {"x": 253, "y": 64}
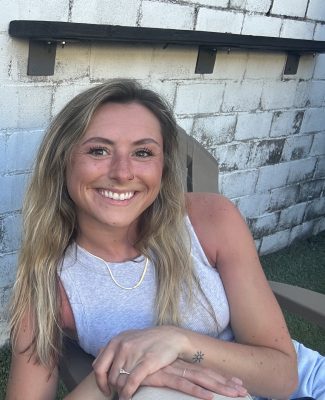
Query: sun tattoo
{"x": 198, "y": 357}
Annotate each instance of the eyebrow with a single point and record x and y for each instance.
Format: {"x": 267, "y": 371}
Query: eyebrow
{"x": 111, "y": 142}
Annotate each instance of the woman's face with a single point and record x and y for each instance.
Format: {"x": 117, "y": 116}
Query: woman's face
{"x": 115, "y": 170}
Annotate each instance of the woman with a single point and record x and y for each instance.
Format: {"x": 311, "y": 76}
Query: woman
{"x": 164, "y": 290}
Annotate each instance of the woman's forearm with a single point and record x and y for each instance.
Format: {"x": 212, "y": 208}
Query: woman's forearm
{"x": 265, "y": 371}
{"x": 88, "y": 389}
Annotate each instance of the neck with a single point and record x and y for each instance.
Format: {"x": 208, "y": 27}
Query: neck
{"x": 114, "y": 245}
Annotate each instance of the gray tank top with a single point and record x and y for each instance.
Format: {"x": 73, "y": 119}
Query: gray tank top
{"x": 102, "y": 310}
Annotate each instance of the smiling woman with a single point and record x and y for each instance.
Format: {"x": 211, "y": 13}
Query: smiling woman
{"x": 163, "y": 288}
{"x": 115, "y": 171}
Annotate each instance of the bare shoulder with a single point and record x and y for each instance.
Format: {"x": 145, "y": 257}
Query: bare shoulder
{"x": 215, "y": 219}
{"x": 209, "y": 205}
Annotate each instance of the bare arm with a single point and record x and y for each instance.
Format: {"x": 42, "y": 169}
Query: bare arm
{"x": 263, "y": 357}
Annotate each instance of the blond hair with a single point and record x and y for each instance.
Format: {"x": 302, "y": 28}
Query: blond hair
{"x": 49, "y": 220}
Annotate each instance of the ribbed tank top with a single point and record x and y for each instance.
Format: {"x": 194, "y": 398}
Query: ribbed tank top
{"x": 102, "y": 310}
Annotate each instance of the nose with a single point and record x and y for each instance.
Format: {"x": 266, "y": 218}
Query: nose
{"x": 120, "y": 168}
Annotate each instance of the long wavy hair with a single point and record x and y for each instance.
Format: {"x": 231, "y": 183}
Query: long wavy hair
{"x": 50, "y": 223}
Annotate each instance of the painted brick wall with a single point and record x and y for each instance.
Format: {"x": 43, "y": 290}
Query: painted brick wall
{"x": 265, "y": 129}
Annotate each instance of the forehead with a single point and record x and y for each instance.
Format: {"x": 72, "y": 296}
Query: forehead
{"x": 130, "y": 119}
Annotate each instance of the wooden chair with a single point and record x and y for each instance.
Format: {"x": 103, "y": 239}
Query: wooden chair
{"x": 200, "y": 175}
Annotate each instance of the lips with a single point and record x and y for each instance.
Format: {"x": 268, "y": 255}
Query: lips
{"x": 116, "y": 196}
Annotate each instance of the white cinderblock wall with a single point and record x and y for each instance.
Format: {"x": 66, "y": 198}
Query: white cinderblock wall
{"x": 266, "y": 130}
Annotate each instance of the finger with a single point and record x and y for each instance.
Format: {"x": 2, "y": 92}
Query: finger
{"x": 184, "y": 385}
{"x": 101, "y": 366}
{"x": 136, "y": 377}
{"x": 210, "y": 380}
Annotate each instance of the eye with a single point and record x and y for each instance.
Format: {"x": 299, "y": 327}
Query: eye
{"x": 143, "y": 153}
{"x": 98, "y": 151}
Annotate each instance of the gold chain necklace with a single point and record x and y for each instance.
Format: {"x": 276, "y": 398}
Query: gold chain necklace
{"x": 132, "y": 287}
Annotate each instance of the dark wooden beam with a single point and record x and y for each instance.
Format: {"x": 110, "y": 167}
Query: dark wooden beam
{"x": 65, "y": 31}
{"x": 43, "y": 36}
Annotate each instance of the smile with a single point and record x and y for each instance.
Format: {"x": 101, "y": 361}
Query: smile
{"x": 116, "y": 196}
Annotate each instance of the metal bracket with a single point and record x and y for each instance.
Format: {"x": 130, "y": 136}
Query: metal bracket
{"x": 292, "y": 64}
{"x": 205, "y": 60}
{"x": 41, "y": 57}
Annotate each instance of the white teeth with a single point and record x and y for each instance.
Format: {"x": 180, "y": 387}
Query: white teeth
{"x": 116, "y": 196}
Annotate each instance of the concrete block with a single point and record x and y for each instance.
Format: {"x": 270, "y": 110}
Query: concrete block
{"x": 120, "y": 61}
{"x": 242, "y": 96}
{"x": 212, "y": 3}
{"x": 275, "y": 242}
{"x": 301, "y": 170}
{"x": 319, "y": 226}
{"x": 316, "y": 10}
{"x": 65, "y": 69}
{"x": 302, "y": 94}
{"x": 8, "y": 266}
{"x": 285, "y": 7}
{"x": 318, "y": 147}
{"x": 253, "y": 125}
{"x": 278, "y": 94}
{"x": 9, "y": 12}
{"x": 265, "y": 65}
{"x": 166, "y": 15}
{"x": 297, "y": 29}
{"x": 302, "y": 231}
{"x": 230, "y": 65}
{"x": 186, "y": 124}
{"x": 4, "y": 332}
{"x": 319, "y": 72}
{"x": 215, "y": 130}
{"x": 261, "y": 6}
{"x": 29, "y": 141}
{"x": 3, "y": 146}
{"x": 263, "y": 225}
{"x": 10, "y": 231}
{"x": 314, "y": 120}
{"x": 296, "y": 147}
{"x": 166, "y": 89}
{"x": 11, "y": 198}
{"x": 320, "y": 168}
{"x": 236, "y": 184}
{"x": 36, "y": 10}
{"x": 286, "y": 123}
{"x": 311, "y": 190}
{"x": 305, "y": 69}
{"x": 265, "y": 152}
{"x": 292, "y": 216}
{"x": 319, "y": 32}
{"x": 317, "y": 94}
{"x": 219, "y": 21}
{"x": 272, "y": 176}
{"x": 174, "y": 62}
{"x": 25, "y": 106}
{"x": 315, "y": 209}
{"x": 199, "y": 98}
{"x": 113, "y": 12}
{"x": 4, "y": 303}
{"x": 232, "y": 157}
{"x": 259, "y": 25}
{"x": 253, "y": 205}
{"x": 283, "y": 197}
{"x": 62, "y": 94}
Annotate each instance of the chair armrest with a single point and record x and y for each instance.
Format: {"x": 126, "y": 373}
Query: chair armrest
{"x": 75, "y": 364}
{"x": 307, "y": 303}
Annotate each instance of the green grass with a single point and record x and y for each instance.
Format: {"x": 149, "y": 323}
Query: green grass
{"x": 302, "y": 264}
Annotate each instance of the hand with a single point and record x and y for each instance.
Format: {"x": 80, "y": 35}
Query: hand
{"x": 141, "y": 352}
{"x": 195, "y": 380}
